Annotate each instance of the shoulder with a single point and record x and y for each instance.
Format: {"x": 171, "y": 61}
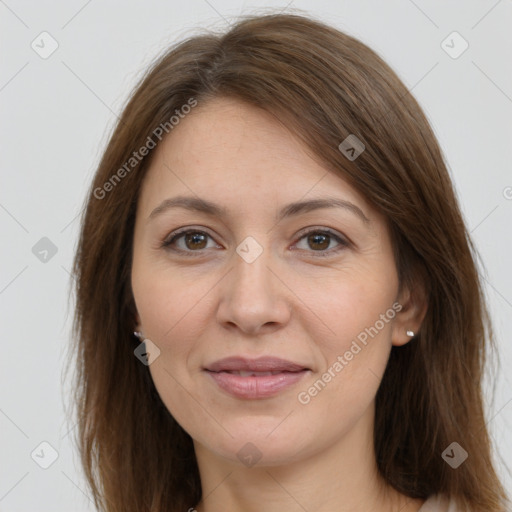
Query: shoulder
{"x": 439, "y": 503}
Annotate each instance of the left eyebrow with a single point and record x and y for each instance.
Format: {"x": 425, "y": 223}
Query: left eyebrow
{"x": 300, "y": 207}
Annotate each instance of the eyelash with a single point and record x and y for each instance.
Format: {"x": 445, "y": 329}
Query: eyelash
{"x": 167, "y": 243}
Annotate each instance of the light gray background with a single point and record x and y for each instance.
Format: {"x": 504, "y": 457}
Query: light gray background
{"x": 57, "y": 112}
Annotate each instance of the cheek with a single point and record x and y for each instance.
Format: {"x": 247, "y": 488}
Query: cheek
{"x": 356, "y": 301}
{"x": 353, "y": 326}
{"x": 170, "y": 324}
{"x": 172, "y": 313}
{"x": 169, "y": 305}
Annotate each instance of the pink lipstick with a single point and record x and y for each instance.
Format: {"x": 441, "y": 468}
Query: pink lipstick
{"x": 254, "y": 379}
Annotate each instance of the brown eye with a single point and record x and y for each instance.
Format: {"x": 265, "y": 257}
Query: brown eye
{"x": 195, "y": 240}
{"x": 188, "y": 242}
{"x": 318, "y": 241}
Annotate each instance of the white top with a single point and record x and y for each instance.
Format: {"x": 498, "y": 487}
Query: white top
{"x": 438, "y": 503}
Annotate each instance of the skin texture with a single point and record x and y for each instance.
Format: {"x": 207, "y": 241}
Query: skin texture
{"x": 290, "y": 302}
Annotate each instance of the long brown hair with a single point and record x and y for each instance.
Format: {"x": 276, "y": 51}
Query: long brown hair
{"x": 324, "y": 85}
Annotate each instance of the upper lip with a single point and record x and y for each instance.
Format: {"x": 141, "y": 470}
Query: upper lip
{"x": 261, "y": 364}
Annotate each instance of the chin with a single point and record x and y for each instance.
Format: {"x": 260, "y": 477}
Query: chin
{"x": 259, "y": 443}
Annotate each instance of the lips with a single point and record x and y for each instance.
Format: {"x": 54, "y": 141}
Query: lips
{"x": 255, "y": 378}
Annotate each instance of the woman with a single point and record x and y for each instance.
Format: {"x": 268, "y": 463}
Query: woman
{"x": 273, "y": 220}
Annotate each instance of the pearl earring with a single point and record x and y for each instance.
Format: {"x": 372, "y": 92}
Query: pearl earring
{"x": 410, "y": 333}
{"x": 139, "y": 335}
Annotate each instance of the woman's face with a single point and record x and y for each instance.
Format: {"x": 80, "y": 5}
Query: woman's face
{"x": 315, "y": 287}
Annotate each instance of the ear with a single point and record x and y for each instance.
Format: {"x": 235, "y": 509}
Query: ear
{"x": 410, "y": 317}
{"x": 137, "y": 326}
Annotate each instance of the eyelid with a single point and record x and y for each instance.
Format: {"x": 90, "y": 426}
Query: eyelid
{"x": 320, "y": 229}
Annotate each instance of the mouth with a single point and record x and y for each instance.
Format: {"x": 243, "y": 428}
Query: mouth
{"x": 253, "y": 379}
{"x": 249, "y": 373}
{"x": 260, "y": 365}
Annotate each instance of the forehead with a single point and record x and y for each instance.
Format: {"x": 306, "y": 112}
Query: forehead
{"x": 233, "y": 135}
{"x": 233, "y": 152}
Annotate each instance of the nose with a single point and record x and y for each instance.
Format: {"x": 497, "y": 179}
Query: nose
{"x": 254, "y": 298}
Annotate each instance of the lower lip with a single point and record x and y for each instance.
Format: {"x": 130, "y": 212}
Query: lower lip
{"x": 254, "y": 387}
